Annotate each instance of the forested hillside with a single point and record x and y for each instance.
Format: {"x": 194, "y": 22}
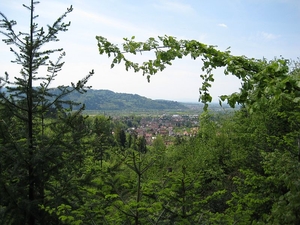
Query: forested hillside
{"x": 59, "y": 166}
{"x": 109, "y": 100}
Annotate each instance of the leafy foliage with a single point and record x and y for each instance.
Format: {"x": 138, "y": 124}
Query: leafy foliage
{"x": 59, "y": 167}
{"x": 35, "y": 147}
{"x": 261, "y": 80}
{"x": 242, "y": 148}
{"x": 105, "y": 100}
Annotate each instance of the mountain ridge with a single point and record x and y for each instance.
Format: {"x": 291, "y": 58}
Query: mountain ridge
{"x": 102, "y": 99}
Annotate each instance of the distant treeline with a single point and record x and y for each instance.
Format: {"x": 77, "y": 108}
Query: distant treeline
{"x": 109, "y": 100}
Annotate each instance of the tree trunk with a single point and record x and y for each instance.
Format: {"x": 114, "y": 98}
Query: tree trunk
{"x": 31, "y": 218}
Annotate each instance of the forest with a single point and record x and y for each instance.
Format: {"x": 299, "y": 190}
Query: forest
{"x": 60, "y": 166}
{"x": 106, "y": 100}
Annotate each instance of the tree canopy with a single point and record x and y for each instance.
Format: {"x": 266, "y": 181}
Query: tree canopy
{"x": 261, "y": 80}
{"x": 39, "y": 131}
{"x": 60, "y": 167}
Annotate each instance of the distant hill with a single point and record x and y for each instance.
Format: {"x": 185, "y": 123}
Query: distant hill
{"x": 109, "y": 100}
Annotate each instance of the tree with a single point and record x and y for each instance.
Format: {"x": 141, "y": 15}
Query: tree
{"x": 265, "y": 132}
{"x": 267, "y": 78}
{"x": 40, "y": 156}
{"x": 159, "y": 148}
{"x": 103, "y": 138}
{"x": 141, "y": 144}
{"x": 120, "y": 137}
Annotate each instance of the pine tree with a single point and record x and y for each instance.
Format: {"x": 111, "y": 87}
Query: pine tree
{"x": 40, "y": 155}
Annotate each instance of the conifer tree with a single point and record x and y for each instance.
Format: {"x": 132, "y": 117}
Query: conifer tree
{"x": 39, "y": 156}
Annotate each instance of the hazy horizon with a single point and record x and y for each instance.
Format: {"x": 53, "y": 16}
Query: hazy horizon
{"x": 254, "y": 28}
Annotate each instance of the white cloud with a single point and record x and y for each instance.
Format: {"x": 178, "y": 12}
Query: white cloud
{"x": 174, "y": 6}
{"x": 269, "y": 36}
{"x": 185, "y": 19}
{"x": 112, "y": 26}
{"x": 222, "y": 25}
{"x": 203, "y": 37}
{"x": 107, "y": 21}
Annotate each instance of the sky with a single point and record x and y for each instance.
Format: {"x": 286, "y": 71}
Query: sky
{"x": 254, "y": 28}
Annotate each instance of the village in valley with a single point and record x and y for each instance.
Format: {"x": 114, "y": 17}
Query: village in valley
{"x": 167, "y": 126}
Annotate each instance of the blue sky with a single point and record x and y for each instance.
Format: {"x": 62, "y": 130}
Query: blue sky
{"x": 254, "y": 28}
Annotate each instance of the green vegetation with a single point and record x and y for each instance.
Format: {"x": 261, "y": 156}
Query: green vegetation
{"x": 105, "y": 100}
{"x": 58, "y": 166}
{"x": 38, "y": 132}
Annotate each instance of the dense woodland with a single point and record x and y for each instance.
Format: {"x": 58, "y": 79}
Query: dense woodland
{"x": 106, "y": 100}
{"x": 58, "y": 166}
